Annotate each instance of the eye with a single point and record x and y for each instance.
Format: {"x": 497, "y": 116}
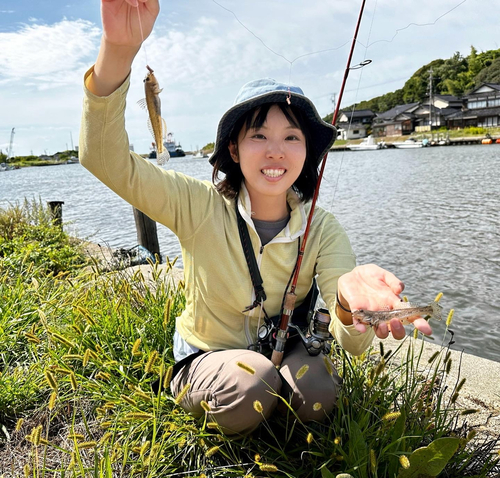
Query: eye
{"x": 258, "y": 136}
{"x": 292, "y": 137}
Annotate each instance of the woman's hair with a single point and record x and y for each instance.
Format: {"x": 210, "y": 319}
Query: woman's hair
{"x": 253, "y": 119}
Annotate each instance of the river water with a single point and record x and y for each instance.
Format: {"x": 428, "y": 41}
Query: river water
{"x": 430, "y": 215}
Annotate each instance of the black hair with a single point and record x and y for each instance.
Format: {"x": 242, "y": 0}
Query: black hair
{"x": 230, "y": 185}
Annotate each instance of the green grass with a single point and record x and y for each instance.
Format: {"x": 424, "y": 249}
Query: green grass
{"x": 80, "y": 349}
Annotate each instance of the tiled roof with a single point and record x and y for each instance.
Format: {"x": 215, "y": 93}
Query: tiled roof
{"x": 397, "y": 110}
{"x": 475, "y": 113}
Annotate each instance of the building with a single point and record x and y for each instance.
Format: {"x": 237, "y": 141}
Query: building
{"x": 397, "y": 121}
{"x": 354, "y": 124}
{"x": 434, "y": 114}
{"x": 481, "y": 108}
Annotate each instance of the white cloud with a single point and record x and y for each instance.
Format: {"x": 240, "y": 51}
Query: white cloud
{"x": 202, "y": 55}
{"x": 47, "y": 54}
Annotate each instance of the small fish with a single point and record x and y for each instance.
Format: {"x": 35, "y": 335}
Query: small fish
{"x": 403, "y": 311}
{"x": 156, "y": 122}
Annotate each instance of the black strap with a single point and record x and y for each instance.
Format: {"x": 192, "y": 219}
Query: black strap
{"x": 246, "y": 243}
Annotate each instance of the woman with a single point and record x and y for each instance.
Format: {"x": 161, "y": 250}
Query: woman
{"x": 268, "y": 148}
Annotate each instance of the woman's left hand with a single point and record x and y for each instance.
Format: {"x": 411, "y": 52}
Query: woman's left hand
{"x": 370, "y": 287}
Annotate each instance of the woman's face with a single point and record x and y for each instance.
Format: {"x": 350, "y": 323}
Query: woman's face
{"x": 271, "y": 157}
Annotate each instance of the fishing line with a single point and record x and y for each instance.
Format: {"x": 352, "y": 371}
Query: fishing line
{"x": 356, "y": 67}
{"x": 142, "y": 33}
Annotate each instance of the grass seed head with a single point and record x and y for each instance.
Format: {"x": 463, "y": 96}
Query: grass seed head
{"x": 450, "y": 317}
{"x": 19, "y": 424}
{"x": 246, "y": 368}
{"x": 84, "y": 445}
{"x": 268, "y": 467}
{"x": 257, "y": 406}
{"x": 317, "y": 407}
{"x": 302, "y": 371}
{"x": 151, "y": 361}
{"x": 391, "y": 416}
{"x": 51, "y": 380}
{"x": 438, "y": 297}
{"x": 337, "y": 441}
{"x": 72, "y": 381}
{"x": 52, "y": 400}
{"x": 309, "y": 438}
{"x": 205, "y": 406}
{"x": 404, "y": 461}
{"x": 135, "y": 347}
{"x": 433, "y": 357}
{"x": 212, "y": 451}
{"x": 168, "y": 377}
{"x": 141, "y": 416}
{"x": 86, "y": 357}
{"x": 182, "y": 393}
{"x": 328, "y": 365}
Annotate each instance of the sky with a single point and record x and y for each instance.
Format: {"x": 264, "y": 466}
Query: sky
{"x": 202, "y": 54}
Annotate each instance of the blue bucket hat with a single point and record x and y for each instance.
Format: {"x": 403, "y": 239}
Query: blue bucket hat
{"x": 267, "y": 90}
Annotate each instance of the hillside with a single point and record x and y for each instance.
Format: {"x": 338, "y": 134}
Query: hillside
{"x": 455, "y": 76}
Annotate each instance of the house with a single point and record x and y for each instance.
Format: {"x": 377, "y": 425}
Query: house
{"x": 397, "y": 121}
{"x": 354, "y": 124}
{"x": 481, "y": 108}
{"x": 434, "y": 114}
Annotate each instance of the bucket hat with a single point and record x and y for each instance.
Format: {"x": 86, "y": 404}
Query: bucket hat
{"x": 267, "y": 90}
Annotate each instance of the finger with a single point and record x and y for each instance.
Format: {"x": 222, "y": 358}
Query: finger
{"x": 358, "y": 325}
{"x": 397, "y": 329}
{"x": 382, "y": 331}
{"x": 393, "y": 282}
{"x": 423, "y": 326}
{"x": 132, "y": 3}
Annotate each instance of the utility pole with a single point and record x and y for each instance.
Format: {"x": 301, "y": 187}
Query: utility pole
{"x": 11, "y": 142}
{"x": 430, "y": 100}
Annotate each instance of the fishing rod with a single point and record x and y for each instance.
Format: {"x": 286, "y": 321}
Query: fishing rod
{"x": 290, "y": 298}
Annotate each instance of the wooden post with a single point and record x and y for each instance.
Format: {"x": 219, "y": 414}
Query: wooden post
{"x": 56, "y": 211}
{"x": 146, "y": 233}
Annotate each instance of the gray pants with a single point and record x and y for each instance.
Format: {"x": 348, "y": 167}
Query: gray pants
{"x": 231, "y": 391}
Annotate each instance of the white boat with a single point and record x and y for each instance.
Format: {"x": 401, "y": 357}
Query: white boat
{"x": 368, "y": 144}
{"x": 408, "y": 144}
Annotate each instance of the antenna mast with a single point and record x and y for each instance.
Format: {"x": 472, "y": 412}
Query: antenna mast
{"x": 11, "y": 142}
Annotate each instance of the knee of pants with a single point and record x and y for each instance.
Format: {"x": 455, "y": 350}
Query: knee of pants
{"x": 314, "y": 395}
{"x": 242, "y": 400}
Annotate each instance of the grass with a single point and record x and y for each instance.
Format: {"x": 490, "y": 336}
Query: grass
{"x": 80, "y": 349}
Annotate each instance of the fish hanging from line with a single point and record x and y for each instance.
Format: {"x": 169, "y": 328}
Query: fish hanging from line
{"x": 402, "y": 312}
{"x": 156, "y": 123}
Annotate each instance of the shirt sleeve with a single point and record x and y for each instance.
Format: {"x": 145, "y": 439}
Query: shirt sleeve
{"x": 335, "y": 259}
{"x": 178, "y": 201}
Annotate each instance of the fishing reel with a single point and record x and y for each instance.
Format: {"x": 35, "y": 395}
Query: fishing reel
{"x": 315, "y": 336}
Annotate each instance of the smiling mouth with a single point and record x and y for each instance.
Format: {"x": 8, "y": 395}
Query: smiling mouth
{"x": 273, "y": 173}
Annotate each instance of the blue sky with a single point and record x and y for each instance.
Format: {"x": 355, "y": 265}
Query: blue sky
{"x": 202, "y": 55}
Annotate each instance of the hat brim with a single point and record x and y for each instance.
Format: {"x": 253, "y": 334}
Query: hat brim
{"x": 323, "y": 134}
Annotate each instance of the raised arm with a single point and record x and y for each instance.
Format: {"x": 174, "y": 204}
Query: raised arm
{"x": 121, "y": 40}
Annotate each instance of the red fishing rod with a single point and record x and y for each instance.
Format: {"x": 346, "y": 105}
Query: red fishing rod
{"x": 290, "y": 297}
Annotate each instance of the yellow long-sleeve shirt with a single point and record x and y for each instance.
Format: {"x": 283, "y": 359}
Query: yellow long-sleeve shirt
{"x": 218, "y": 284}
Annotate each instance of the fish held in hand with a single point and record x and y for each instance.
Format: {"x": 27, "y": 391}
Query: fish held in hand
{"x": 156, "y": 123}
{"x": 402, "y": 312}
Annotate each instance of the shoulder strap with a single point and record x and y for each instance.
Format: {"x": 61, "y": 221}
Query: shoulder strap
{"x": 246, "y": 243}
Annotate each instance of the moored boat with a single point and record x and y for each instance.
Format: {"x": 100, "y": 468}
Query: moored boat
{"x": 368, "y": 144}
{"x": 408, "y": 144}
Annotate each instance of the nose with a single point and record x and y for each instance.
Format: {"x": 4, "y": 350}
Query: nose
{"x": 275, "y": 149}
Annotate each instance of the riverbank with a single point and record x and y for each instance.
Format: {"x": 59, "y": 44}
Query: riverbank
{"x": 480, "y": 392}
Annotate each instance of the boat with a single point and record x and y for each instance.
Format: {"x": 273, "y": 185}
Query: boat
{"x": 408, "y": 144}
{"x": 368, "y": 144}
{"x": 200, "y": 154}
{"x": 174, "y": 149}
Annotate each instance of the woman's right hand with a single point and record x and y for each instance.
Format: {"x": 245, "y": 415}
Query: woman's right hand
{"x": 126, "y": 24}
{"x": 121, "y": 22}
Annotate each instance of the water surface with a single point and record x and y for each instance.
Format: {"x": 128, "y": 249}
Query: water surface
{"x": 429, "y": 215}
